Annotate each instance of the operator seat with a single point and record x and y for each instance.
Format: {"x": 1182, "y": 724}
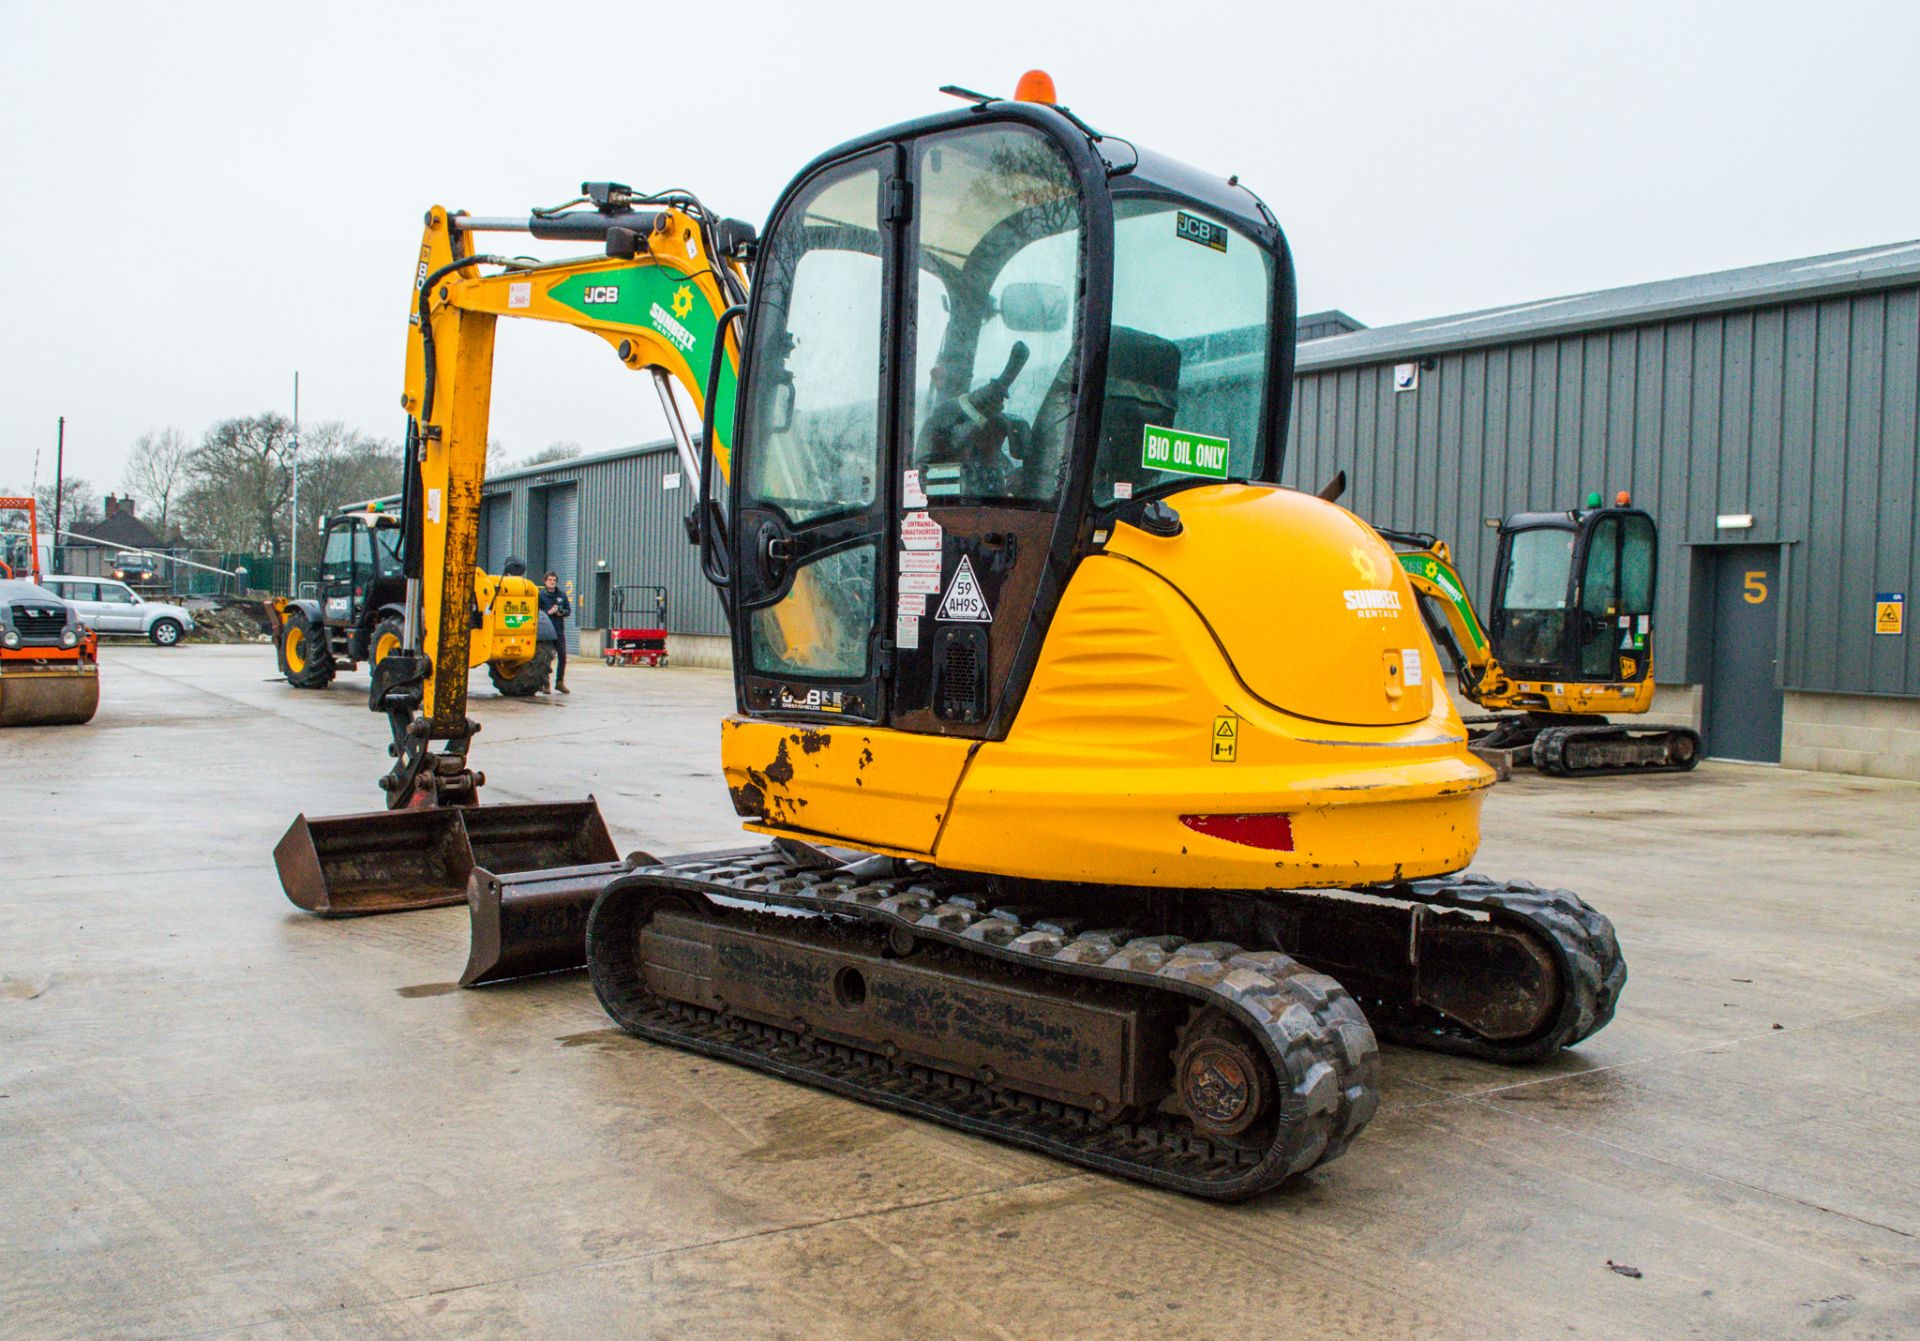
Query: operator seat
{"x": 1143, "y": 387}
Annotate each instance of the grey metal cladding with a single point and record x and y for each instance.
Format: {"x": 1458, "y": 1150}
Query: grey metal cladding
{"x": 628, "y": 517}
{"x": 1774, "y": 284}
{"x": 1804, "y": 413}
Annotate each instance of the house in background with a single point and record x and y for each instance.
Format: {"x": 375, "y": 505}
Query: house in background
{"x": 90, "y": 548}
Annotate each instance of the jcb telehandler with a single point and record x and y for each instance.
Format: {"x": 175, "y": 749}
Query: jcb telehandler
{"x": 359, "y": 613}
{"x": 1571, "y": 640}
{"x": 1094, "y": 764}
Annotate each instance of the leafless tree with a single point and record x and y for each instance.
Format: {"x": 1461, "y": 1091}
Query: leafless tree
{"x": 240, "y": 484}
{"x": 553, "y": 451}
{"x": 79, "y": 504}
{"x": 156, "y": 468}
{"x": 340, "y": 465}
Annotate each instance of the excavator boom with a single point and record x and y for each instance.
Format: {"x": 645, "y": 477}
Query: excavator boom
{"x": 656, "y": 297}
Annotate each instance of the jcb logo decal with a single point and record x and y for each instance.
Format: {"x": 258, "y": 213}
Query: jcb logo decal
{"x": 600, "y": 293}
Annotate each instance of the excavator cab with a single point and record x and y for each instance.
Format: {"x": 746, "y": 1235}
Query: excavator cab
{"x": 1009, "y": 393}
{"x": 1574, "y": 596}
{"x": 920, "y": 460}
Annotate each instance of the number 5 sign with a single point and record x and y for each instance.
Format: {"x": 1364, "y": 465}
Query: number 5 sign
{"x": 1754, "y": 590}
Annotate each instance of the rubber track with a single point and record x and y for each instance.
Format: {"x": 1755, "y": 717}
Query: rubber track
{"x": 1581, "y": 940}
{"x": 1550, "y": 749}
{"x": 1322, "y": 1051}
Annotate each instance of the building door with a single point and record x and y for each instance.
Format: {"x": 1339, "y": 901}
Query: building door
{"x": 602, "y": 600}
{"x": 1743, "y": 705}
{"x": 496, "y": 531}
{"x": 561, "y": 550}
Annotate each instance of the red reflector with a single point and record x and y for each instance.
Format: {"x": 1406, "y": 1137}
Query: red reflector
{"x": 1274, "y": 832}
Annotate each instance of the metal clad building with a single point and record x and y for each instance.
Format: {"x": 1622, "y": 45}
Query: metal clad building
{"x": 623, "y": 525}
{"x": 1788, "y": 394}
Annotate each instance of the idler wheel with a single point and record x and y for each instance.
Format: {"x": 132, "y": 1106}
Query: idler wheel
{"x": 1221, "y": 1081}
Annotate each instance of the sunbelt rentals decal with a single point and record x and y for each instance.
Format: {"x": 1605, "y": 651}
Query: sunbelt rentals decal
{"x": 651, "y": 297}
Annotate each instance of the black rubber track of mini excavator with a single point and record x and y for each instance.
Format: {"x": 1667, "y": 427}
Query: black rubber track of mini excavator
{"x": 1316, "y": 1039}
{"x": 1555, "y": 752}
{"x": 1581, "y": 940}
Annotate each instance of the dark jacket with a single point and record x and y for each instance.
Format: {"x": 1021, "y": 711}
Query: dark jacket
{"x": 555, "y": 605}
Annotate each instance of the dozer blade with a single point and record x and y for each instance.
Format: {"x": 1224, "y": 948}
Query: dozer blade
{"x": 391, "y": 861}
{"x": 536, "y": 921}
{"x": 48, "y": 698}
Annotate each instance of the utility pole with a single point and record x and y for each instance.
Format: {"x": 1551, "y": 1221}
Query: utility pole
{"x": 59, "y": 494}
{"x": 293, "y": 561}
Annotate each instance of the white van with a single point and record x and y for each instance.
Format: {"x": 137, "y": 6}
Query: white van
{"x": 107, "y": 606}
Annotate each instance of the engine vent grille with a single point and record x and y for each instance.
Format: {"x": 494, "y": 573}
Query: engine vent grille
{"x": 38, "y": 621}
{"x": 960, "y": 674}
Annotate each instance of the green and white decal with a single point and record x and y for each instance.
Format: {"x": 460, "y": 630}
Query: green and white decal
{"x": 514, "y": 621}
{"x": 1443, "y": 577}
{"x": 1181, "y": 453}
{"x": 658, "y": 299}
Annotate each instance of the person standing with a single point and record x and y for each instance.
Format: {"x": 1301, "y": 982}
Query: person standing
{"x": 555, "y": 605}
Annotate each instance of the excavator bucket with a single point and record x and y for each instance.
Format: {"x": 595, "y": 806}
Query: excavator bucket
{"x": 48, "y": 698}
{"x": 536, "y": 921}
{"x": 392, "y": 861}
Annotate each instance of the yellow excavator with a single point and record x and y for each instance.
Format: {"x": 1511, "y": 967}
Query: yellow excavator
{"x": 1114, "y": 807}
{"x": 1571, "y": 640}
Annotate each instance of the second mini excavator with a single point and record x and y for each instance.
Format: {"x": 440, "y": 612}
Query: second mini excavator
{"x": 1114, "y": 809}
{"x": 1571, "y": 640}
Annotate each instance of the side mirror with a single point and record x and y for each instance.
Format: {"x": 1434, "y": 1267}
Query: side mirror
{"x": 1034, "y": 308}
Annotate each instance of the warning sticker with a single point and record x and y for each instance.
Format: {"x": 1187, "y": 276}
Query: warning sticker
{"x": 1226, "y": 739}
{"x": 919, "y": 531}
{"x": 1889, "y": 613}
{"x": 1416, "y": 673}
{"x": 906, "y": 632}
{"x": 925, "y": 583}
{"x": 912, "y": 561}
{"x": 911, "y": 494}
{"x": 964, "y": 599}
{"x": 912, "y": 602}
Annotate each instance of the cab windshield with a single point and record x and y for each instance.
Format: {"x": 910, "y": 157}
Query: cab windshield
{"x": 1187, "y": 365}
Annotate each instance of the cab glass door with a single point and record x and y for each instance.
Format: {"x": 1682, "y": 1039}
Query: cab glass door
{"x": 1616, "y": 598}
{"x": 336, "y": 575}
{"x": 995, "y": 290}
{"x": 810, "y": 492}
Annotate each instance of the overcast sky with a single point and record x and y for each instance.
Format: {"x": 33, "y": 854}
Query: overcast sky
{"x": 201, "y": 198}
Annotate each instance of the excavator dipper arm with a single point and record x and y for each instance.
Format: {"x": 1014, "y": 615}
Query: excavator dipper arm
{"x": 656, "y": 297}
{"x": 1428, "y": 564}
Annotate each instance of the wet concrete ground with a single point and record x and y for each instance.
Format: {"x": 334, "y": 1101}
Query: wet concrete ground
{"x": 222, "y": 1118}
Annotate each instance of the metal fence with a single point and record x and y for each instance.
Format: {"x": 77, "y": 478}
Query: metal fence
{"x": 181, "y": 572}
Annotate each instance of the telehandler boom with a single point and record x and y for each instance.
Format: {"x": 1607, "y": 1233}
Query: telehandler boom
{"x": 1112, "y": 813}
